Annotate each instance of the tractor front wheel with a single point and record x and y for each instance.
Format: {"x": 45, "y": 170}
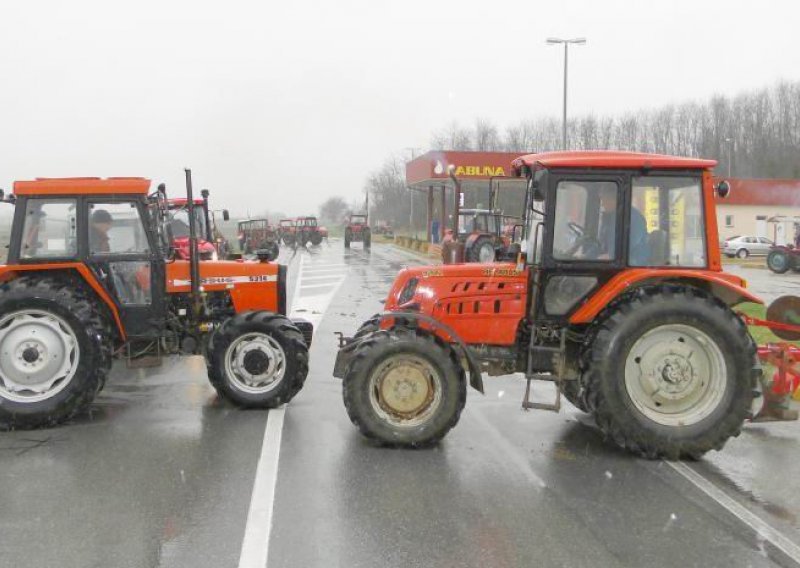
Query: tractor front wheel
{"x": 367, "y": 237}
{"x": 55, "y": 351}
{"x": 778, "y": 261}
{"x": 315, "y": 238}
{"x": 347, "y": 238}
{"x": 257, "y": 360}
{"x": 404, "y": 388}
{"x": 670, "y": 373}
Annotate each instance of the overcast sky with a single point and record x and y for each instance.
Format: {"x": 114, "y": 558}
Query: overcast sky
{"x": 280, "y": 104}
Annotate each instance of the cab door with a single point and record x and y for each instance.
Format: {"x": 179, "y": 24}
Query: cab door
{"x": 126, "y": 260}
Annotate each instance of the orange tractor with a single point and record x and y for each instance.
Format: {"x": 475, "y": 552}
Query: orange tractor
{"x": 618, "y": 297}
{"x": 91, "y": 276}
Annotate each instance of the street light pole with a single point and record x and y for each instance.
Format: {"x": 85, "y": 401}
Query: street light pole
{"x": 566, "y": 42}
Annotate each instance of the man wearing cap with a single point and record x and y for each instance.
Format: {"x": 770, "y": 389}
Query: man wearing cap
{"x": 99, "y": 226}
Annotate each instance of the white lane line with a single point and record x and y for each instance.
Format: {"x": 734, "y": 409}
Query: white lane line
{"x": 255, "y": 546}
{"x": 763, "y": 530}
{"x": 328, "y": 277}
{"x": 309, "y": 286}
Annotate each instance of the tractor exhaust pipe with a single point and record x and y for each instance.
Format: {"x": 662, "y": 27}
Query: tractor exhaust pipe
{"x": 194, "y": 257}
{"x": 207, "y": 215}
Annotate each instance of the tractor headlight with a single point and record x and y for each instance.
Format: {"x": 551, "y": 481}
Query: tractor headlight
{"x": 408, "y": 291}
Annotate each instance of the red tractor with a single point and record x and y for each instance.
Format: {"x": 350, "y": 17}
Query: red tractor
{"x": 90, "y": 277}
{"x": 287, "y": 231}
{"x": 357, "y": 230}
{"x": 211, "y": 245}
{"x": 259, "y": 237}
{"x": 618, "y": 298}
{"x": 483, "y": 233}
{"x": 308, "y": 231}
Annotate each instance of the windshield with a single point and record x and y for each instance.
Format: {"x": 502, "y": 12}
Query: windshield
{"x": 179, "y": 223}
{"x": 358, "y": 219}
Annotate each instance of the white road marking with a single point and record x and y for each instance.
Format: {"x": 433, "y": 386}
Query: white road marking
{"x": 255, "y": 546}
{"x": 763, "y": 530}
{"x": 257, "y": 532}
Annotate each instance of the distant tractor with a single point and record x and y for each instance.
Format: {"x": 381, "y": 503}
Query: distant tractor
{"x": 357, "y": 230}
{"x": 90, "y": 278}
{"x": 619, "y": 300}
{"x": 258, "y": 236}
{"x": 287, "y": 231}
{"x": 309, "y": 231}
{"x": 211, "y": 244}
{"x": 481, "y": 232}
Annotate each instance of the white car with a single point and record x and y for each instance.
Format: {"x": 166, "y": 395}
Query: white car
{"x": 742, "y": 247}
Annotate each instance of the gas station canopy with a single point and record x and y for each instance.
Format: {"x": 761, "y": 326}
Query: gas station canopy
{"x": 474, "y": 170}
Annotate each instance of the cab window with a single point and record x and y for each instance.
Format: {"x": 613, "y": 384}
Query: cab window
{"x": 585, "y": 225}
{"x": 667, "y": 225}
{"x": 6, "y": 220}
{"x": 49, "y": 229}
{"x": 116, "y": 228}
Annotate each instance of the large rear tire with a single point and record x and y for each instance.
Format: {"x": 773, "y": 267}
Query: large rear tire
{"x": 347, "y": 238}
{"x": 257, "y": 360}
{"x": 778, "y": 261}
{"x": 55, "y": 351}
{"x": 482, "y": 250}
{"x": 670, "y": 372}
{"x": 367, "y": 236}
{"x": 315, "y": 238}
{"x": 404, "y": 388}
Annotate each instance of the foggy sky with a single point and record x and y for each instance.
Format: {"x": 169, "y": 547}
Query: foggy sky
{"x": 280, "y": 104}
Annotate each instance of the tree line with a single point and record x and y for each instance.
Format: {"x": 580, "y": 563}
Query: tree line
{"x": 751, "y": 134}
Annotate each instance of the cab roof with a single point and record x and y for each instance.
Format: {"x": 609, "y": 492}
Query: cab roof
{"x": 83, "y": 186}
{"x": 607, "y": 159}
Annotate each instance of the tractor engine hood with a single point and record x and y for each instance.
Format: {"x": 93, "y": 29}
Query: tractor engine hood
{"x": 423, "y": 288}
{"x": 205, "y": 249}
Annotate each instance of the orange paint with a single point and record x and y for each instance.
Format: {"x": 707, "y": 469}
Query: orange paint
{"x": 82, "y": 186}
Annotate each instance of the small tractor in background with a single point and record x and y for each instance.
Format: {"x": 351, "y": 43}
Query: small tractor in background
{"x": 91, "y": 276}
{"x": 483, "y": 234}
{"x": 782, "y": 258}
{"x": 307, "y": 230}
{"x": 259, "y": 237}
{"x": 211, "y": 244}
{"x": 357, "y": 230}
{"x": 287, "y": 232}
{"x": 618, "y": 299}
{"x": 383, "y": 229}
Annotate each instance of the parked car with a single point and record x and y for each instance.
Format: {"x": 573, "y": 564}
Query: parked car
{"x": 742, "y": 247}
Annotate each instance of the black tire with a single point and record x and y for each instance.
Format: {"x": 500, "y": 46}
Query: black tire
{"x": 284, "y": 333}
{"x": 473, "y": 253}
{"x": 573, "y": 392}
{"x": 380, "y": 347}
{"x": 67, "y": 299}
{"x": 315, "y": 238}
{"x": 368, "y": 326}
{"x": 613, "y": 337}
{"x": 347, "y": 238}
{"x": 367, "y": 236}
{"x": 778, "y": 261}
{"x": 742, "y": 253}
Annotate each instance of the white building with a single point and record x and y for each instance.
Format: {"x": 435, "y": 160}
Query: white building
{"x": 760, "y": 208}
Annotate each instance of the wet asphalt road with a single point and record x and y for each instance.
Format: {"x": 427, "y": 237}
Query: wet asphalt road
{"x": 161, "y": 472}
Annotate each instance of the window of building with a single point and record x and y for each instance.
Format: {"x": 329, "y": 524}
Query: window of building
{"x": 729, "y": 220}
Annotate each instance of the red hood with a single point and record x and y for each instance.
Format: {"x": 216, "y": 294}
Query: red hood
{"x": 181, "y": 246}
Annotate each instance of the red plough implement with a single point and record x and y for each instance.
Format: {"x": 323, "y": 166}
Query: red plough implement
{"x": 781, "y": 359}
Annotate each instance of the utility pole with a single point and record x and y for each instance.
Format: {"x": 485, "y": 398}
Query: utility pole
{"x": 566, "y": 42}
{"x": 729, "y": 141}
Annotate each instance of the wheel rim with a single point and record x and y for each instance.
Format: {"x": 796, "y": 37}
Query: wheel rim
{"x": 486, "y": 253}
{"x": 675, "y": 375}
{"x": 405, "y": 390}
{"x": 39, "y": 355}
{"x": 742, "y": 253}
{"x": 255, "y": 363}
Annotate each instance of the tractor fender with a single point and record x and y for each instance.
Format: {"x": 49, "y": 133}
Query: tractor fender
{"x": 729, "y": 288}
{"x": 441, "y": 330}
{"x": 12, "y": 271}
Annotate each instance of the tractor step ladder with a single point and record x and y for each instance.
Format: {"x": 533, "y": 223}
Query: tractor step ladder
{"x": 556, "y": 377}
{"x": 147, "y": 361}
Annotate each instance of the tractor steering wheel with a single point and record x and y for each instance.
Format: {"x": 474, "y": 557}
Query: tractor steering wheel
{"x": 591, "y": 247}
{"x": 577, "y": 229}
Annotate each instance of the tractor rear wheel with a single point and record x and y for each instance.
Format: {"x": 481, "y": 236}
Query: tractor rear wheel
{"x": 482, "y": 250}
{"x": 778, "y": 261}
{"x": 257, "y": 360}
{"x": 573, "y": 393}
{"x": 670, "y": 372}
{"x": 367, "y": 237}
{"x": 315, "y": 238}
{"x": 55, "y": 351}
{"x": 347, "y": 238}
{"x": 404, "y": 388}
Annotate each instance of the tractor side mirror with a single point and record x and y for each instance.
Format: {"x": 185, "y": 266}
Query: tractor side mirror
{"x": 162, "y": 189}
{"x": 536, "y": 190}
{"x": 204, "y": 193}
{"x": 226, "y": 216}
{"x": 723, "y": 189}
